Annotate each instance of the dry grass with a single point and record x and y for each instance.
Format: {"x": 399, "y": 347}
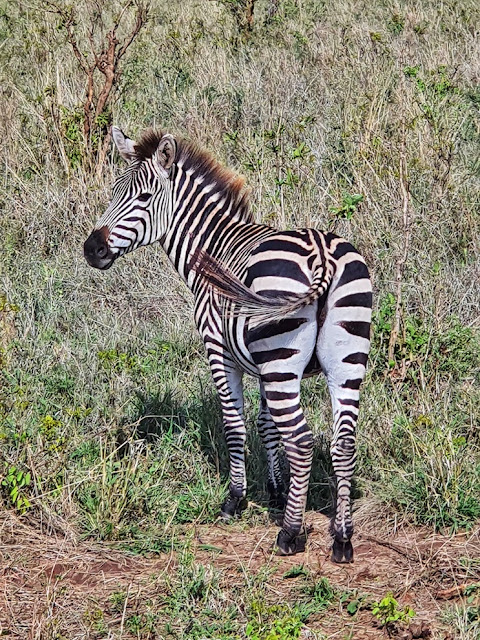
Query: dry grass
{"x": 322, "y": 102}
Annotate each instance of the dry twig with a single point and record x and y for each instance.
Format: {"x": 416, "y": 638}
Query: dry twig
{"x": 400, "y": 266}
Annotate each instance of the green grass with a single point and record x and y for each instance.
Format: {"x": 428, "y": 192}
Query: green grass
{"x": 106, "y": 403}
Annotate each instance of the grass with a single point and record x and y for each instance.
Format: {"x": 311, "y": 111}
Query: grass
{"x": 106, "y": 405}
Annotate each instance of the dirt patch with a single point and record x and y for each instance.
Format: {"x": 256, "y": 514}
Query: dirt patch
{"x": 48, "y": 584}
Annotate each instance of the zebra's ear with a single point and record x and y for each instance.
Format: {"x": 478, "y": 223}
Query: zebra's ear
{"x": 166, "y": 152}
{"x": 124, "y": 145}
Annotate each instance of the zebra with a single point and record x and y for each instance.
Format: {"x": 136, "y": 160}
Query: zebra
{"x": 278, "y": 305}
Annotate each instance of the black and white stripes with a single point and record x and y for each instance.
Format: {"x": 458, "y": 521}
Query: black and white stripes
{"x": 278, "y": 305}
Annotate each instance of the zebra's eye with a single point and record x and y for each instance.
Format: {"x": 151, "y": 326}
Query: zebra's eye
{"x": 143, "y": 197}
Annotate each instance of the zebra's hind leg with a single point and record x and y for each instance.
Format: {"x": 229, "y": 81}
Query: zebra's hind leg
{"x": 344, "y": 392}
{"x": 271, "y": 439}
{"x": 344, "y": 366}
{"x": 343, "y": 454}
{"x": 283, "y": 401}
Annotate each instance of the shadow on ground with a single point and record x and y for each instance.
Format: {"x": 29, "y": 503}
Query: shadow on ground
{"x": 162, "y": 415}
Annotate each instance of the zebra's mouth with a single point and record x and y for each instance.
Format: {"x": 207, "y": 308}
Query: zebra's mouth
{"x": 97, "y": 252}
{"x": 103, "y": 266}
{"x": 100, "y": 263}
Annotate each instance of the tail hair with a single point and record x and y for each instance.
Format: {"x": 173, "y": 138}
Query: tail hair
{"x": 261, "y": 308}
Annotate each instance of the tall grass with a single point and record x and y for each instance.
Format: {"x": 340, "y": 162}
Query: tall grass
{"x": 105, "y": 397}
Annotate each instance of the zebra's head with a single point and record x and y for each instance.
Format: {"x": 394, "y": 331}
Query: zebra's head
{"x": 141, "y": 199}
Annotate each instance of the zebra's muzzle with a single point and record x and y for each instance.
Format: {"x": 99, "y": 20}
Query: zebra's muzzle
{"x": 96, "y": 250}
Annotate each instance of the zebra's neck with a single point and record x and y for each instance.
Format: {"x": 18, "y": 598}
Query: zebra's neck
{"x": 201, "y": 218}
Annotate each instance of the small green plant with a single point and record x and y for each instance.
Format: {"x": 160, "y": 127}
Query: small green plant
{"x": 115, "y": 360}
{"x": 117, "y": 600}
{"x": 301, "y": 151}
{"x": 396, "y": 24}
{"x": 71, "y": 121}
{"x": 6, "y": 306}
{"x": 297, "y": 571}
{"x": 16, "y": 482}
{"x": 95, "y": 619}
{"x": 78, "y": 412}
{"x": 277, "y": 622}
{"x": 289, "y": 180}
{"x": 231, "y": 136}
{"x": 387, "y": 611}
{"x": 464, "y": 620}
{"x": 348, "y": 206}
{"x": 472, "y": 592}
{"x": 354, "y": 601}
{"x": 376, "y": 36}
{"x": 321, "y": 593}
{"x": 49, "y": 427}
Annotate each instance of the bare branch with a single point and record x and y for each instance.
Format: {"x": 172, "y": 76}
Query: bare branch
{"x": 405, "y": 192}
{"x": 119, "y": 19}
{"x": 141, "y": 18}
{"x": 68, "y": 22}
{"x": 92, "y": 43}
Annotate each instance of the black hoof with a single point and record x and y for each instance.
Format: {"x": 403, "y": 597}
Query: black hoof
{"x": 342, "y": 552}
{"x": 233, "y": 507}
{"x": 289, "y": 544}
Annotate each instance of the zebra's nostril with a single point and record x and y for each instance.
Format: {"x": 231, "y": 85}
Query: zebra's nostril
{"x": 102, "y": 251}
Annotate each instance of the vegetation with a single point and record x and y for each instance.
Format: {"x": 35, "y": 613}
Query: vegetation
{"x": 361, "y": 119}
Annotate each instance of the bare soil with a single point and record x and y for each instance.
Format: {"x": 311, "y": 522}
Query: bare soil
{"x": 53, "y": 587}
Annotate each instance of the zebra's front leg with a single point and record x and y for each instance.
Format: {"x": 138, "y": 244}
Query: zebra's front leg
{"x": 284, "y": 406}
{"x": 271, "y": 439}
{"x": 228, "y": 380}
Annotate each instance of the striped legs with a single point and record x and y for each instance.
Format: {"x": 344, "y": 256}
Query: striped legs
{"x": 228, "y": 380}
{"x": 283, "y": 401}
{"x": 342, "y": 349}
{"x": 271, "y": 438}
{"x": 342, "y": 448}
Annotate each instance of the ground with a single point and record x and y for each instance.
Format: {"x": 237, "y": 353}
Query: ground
{"x": 61, "y": 588}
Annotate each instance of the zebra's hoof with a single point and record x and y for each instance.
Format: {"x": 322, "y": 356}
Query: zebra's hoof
{"x": 233, "y": 507}
{"x": 289, "y": 544}
{"x": 342, "y": 552}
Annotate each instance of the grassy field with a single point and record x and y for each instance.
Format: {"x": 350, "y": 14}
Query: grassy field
{"x": 361, "y": 118}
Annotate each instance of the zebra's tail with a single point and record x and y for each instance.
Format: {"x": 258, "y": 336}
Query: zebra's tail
{"x": 256, "y": 306}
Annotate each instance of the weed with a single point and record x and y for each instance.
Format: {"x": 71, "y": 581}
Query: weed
{"x": 16, "y": 483}
{"x": 296, "y": 572}
{"x": 396, "y": 24}
{"x": 6, "y": 306}
{"x": 290, "y": 179}
{"x": 49, "y": 427}
{"x": 354, "y": 601}
{"x": 321, "y": 594}
{"x": 113, "y": 360}
{"x": 387, "y": 611}
{"x": 117, "y": 601}
{"x": 301, "y": 151}
{"x": 464, "y": 620}
{"x": 348, "y": 206}
{"x": 273, "y": 623}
